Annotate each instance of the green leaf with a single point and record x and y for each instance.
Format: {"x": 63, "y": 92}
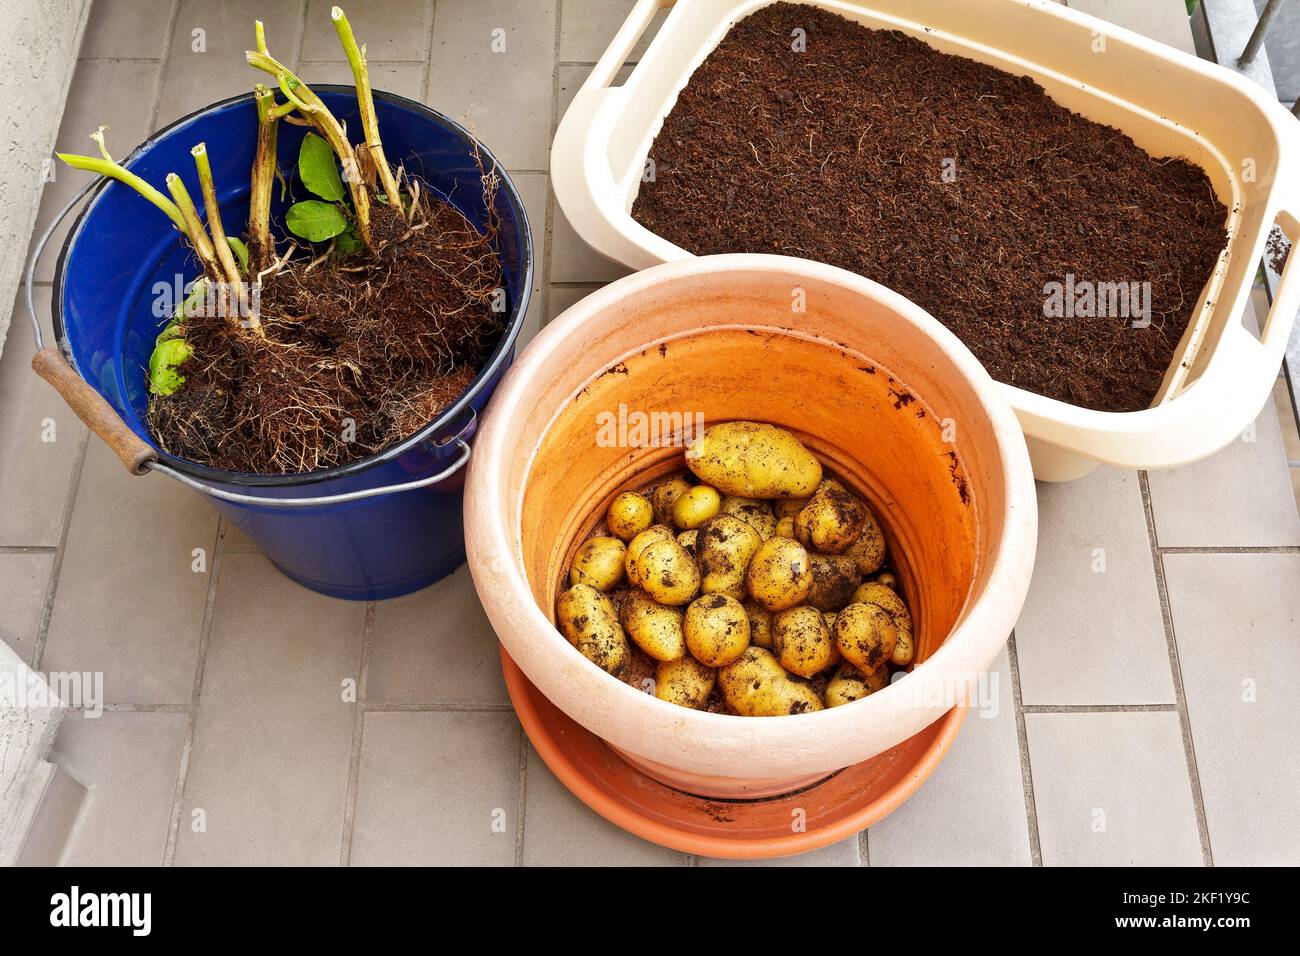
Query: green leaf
{"x": 347, "y": 242}
{"x": 168, "y": 355}
{"x": 319, "y": 171}
{"x": 241, "y": 252}
{"x": 314, "y": 220}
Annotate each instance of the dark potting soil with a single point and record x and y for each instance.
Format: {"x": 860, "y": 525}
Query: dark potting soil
{"x": 963, "y": 187}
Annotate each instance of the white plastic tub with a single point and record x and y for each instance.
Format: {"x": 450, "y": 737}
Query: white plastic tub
{"x": 1168, "y": 102}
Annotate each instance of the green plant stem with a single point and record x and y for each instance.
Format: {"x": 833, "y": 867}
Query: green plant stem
{"x": 366, "y": 102}
{"x": 106, "y": 167}
{"x": 194, "y": 227}
{"x": 225, "y": 255}
{"x": 262, "y": 180}
{"x": 317, "y": 113}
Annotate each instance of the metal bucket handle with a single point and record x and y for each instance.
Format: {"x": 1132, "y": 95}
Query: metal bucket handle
{"x": 53, "y": 365}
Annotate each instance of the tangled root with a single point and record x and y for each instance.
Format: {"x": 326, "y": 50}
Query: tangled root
{"x": 357, "y": 355}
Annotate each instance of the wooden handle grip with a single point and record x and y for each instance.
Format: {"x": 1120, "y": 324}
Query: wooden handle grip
{"x": 92, "y": 409}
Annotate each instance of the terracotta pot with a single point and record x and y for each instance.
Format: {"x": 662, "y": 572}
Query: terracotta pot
{"x": 888, "y": 399}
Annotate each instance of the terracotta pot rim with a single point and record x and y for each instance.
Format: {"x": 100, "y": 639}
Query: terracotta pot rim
{"x": 974, "y": 641}
{"x": 559, "y": 761}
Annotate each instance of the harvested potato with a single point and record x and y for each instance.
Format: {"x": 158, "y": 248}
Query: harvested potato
{"x": 755, "y": 511}
{"x": 656, "y": 532}
{"x": 801, "y": 641}
{"x": 665, "y": 495}
{"x": 874, "y": 592}
{"x": 850, "y": 684}
{"x": 654, "y": 627}
{"x": 724, "y": 546}
{"x": 717, "y": 629}
{"x": 684, "y": 682}
{"x": 866, "y": 635}
{"x": 754, "y": 460}
{"x": 696, "y": 506}
{"x": 755, "y": 685}
{"x": 779, "y": 574}
{"x": 588, "y": 622}
{"x": 888, "y": 579}
{"x": 834, "y": 578}
{"x": 629, "y": 514}
{"x": 868, "y": 552}
{"x": 667, "y": 573}
{"x": 829, "y": 617}
{"x": 832, "y": 520}
{"x": 687, "y": 540}
{"x": 600, "y": 562}
{"x": 788, "y": 508}
{"x": 784, "y": 528}
{"x": 760, "y": 623}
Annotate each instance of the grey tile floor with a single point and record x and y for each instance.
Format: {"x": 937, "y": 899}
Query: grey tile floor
{"x": 1145, "y": 711}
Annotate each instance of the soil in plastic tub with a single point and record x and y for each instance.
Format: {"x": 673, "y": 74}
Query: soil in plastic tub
{"x": 1064, "y": 256}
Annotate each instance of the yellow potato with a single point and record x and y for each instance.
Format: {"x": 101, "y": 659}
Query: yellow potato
{"x": 834, "y": 578}
{"x": 717, "y": 629}
{"x": 873, "y": 592}
{"x": 801, "y": 641}
{"x": 780, "y": 575}
{"x": 866, "y": 635}
{"x": 665, "y": 495}
{"x": 724, "y": 546}
{"x": 588, "y": 622}
{"x": 788, "y": 508}
{"x": 868, "y": 552}
{"x": 754, "y": 460}
{"x": 784, "y": 528}
{"x": 667, "y": 573}
{"x": 629, "y": 514}
{"x": 654, "y": 627}
{"x": 755, "y": 511}
{"x": 755, "y": 685}
{"x": 687, "y": 540}
{"x": 684, "y": 682}
{"x": 600, "y": 562}
{"x": 696, "y": 506}
{"x": 829, "y": 617}
{"x": 850, "y": 684}
{"x": 888, "y": 579}
{"x": 832, "y": 520}
{"x": 760, "y": 624}
{"x": 656, "y": 532}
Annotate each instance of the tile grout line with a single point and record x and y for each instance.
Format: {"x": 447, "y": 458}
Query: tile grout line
{"x": 200, "y": 665}
{"x": 358, "y": 729}
{"x": 28, "y": 548}
{"x": 549, "y": 206}
{"x": 864, "y": 848}
{"x": 1100, "y": 708}
{"x": 56, "y": 566}
{"x": 521, "y": 797}
{"x": 1022, "y": 739}
{"x": 439, "y": 708}
{"x": 1176, "y": 673}
{"x": 426, "y": 74}
{"x": 1231, "y": 549}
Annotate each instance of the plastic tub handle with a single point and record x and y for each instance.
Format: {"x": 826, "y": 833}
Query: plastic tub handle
{"x": 616, "y": 54}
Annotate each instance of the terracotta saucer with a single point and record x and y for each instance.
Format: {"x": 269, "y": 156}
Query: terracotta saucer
{"x": 826, "y": 812}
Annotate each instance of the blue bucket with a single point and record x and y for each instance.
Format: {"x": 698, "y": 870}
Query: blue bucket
{"x": 374, "y": 528}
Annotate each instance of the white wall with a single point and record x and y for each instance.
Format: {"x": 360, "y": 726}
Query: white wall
{"x": 40, "y": 39}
